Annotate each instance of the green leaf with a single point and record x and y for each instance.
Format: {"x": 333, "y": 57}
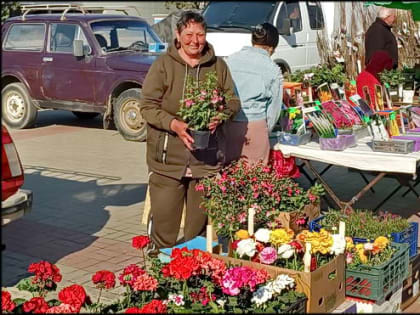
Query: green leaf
{"x": 27, "y": 285}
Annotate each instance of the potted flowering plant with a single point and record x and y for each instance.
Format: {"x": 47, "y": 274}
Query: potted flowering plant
{"x": 202, "y": 103}
{"x": 281, "y": 248}
{"x": 240, "y": 186}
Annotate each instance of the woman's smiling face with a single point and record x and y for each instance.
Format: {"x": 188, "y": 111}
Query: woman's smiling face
{"x": 192, "y": 39}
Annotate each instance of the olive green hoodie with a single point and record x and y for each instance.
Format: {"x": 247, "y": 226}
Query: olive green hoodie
{"x": 162, "y": 91}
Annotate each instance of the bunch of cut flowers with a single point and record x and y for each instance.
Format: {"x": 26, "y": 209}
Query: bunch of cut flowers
{"x": 368, "y": 254}
{"x": 281, "y": 248}
{"x": 322, "y": 125}
{"x": 240, "y": 186}
{"x": 365, "y": 223}
{"x": 203, "y": 102}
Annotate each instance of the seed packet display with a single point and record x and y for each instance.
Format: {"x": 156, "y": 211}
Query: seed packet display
{"x": 377, "y": 129}
{"x": 339, "y": 118}
{"x": 350, "y": 112}
{"x": 379, "y": 97}
{"x": 324, "y": 93}
{"x": 363, "y": 106}
{"x": 366, "y": 95}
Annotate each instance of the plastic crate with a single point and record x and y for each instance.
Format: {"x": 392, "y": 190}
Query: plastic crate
{"x": 376, "y": 282}
{"x": 409, "y": 235}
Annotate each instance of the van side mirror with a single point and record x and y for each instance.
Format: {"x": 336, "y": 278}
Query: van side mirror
{"x": 285, "y": 29}
{"x": 78, "y": 50}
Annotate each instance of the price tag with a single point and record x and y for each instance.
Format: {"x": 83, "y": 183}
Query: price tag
{"x": 386, "y": 85}
{"x": 392, "y": 116}
{"x": 292, "y": 110}
{"x": 317, "y": 107}
{"x": 353, "y": 82}
{"x": 366, "y": 119}
{"x": 317, "y": 102}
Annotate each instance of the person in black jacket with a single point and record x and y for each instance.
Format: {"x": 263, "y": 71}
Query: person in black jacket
{"x": 380, "y": 37}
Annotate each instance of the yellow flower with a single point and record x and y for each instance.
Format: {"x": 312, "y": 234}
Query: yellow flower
{"x": 242, "y": 234}
{"x": 349, "y": 243}
{"x": 381, "y": 242}
{"x": 302, "y": 236}
{"x": 361, "y": 251}
{"x": 281, "y": 236}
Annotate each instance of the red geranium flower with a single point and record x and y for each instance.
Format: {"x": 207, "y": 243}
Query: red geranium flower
{"x": 7, "y": 305}
{"x": 104, "y": 279}
{"x": 63, "y": 309}
{"x": 141, "y": 241}
{"x": 130, "y": 274}
{"x": 45, "y": 271}
{"x": 36, "y": 305}
{"x": 132, "y": 310}
{"x": 297, "y": 246}
{"x": 74, "y": 295}
{"x": 154, "y": 307}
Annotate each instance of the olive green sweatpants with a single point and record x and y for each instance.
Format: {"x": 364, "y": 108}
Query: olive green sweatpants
{"x": 167, "y": 197}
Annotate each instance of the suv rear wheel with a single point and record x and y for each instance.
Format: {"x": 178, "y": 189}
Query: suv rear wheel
{"x": 17, "y": 108}
{"x": 85, "y": 115}
{"x": 127, "y": 117}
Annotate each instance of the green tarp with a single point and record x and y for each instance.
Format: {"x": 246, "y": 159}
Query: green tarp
{"x": 414, "y": 6}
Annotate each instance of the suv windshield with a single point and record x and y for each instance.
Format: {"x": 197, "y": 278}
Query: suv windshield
{"x": 124, "y": 35}
{"x": 242, "y": 15}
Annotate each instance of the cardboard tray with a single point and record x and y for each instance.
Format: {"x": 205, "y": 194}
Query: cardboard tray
{"x": 324, "y": 294}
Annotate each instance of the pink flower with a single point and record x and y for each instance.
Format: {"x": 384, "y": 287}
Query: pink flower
{"x": 214, "y": 99}
{"x": 349, "y": 258}
{"x": 63, "y": 309}
{"x": 223, "y": 188}
{"x": 189, "y": 103}
{"x": 268, "y": 255}
{"x": 199, "y": 187}
{"x": 203, "y": 92}
{"x": 145, "y": 282}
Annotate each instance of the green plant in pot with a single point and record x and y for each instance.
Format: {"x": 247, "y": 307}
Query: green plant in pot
{"x": 203, "y": 101}
{"x": 395, "y": 79}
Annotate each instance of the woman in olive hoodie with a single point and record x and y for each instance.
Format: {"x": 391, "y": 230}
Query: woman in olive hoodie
{"x": 174, "y": 168}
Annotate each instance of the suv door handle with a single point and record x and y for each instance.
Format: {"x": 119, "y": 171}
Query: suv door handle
{"x": 297, "y": 45}
{"x": 45, "y": 59}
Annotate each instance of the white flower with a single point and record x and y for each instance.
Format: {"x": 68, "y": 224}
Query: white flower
{"x": 285, "y": 251}
{"x": 221, "y": 302}
{"x": 368, "y": 246}
{"x": 282, "y": 282}
{"x": 177, "y": 299}
{"x": 262, "y": 295}
{"x": 246, "y": 247}
{"x": 263, "y": 235}
{"x": 339, "y": 244}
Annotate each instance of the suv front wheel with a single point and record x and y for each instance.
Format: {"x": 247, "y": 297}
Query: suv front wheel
{"x": 17, "y": 109}
{"x": 127, "y": 117}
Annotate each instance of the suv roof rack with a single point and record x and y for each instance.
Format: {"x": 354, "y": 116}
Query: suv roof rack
{"x": 66, "y": 7}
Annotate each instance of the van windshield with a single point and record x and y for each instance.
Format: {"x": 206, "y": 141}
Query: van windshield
{"x": 239, "y": 15}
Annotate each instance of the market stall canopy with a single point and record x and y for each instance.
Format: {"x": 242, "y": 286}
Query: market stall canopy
{"x": 414, "y": 6}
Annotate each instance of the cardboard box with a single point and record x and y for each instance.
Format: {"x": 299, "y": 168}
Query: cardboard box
{"x": 324, "y": 294}
{"x": 392, "y": 303}
{"x": 410, "y": 291}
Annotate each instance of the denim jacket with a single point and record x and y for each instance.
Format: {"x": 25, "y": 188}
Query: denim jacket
{"x": 259, "y": 84}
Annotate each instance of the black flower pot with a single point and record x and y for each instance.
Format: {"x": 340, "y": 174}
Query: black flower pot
{"x": 201, "y": 138}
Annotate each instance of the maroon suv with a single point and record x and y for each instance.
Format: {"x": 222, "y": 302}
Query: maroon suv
{"x": 89, "y": 64}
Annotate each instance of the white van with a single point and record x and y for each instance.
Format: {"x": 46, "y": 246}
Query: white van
{"x": 229, "y": 26}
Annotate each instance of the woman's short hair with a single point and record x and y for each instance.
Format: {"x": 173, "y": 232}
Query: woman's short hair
{"x": 265, "y": 34}
{"x": 186, "y": 18}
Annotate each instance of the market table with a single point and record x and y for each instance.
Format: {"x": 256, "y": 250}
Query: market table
{"x": 361, "y": 157}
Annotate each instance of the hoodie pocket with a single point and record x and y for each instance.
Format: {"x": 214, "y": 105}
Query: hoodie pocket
{"x": 162, "y": 147}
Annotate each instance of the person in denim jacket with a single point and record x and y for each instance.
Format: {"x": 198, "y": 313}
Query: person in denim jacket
{"x": 259, "y": 84}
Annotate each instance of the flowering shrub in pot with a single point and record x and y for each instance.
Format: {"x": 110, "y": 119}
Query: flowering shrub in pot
{"x": 238, "y": 187}
{"x": 201, "y": 104}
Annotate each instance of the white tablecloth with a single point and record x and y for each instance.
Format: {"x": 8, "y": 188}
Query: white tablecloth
{"x": 360, "y": 157}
